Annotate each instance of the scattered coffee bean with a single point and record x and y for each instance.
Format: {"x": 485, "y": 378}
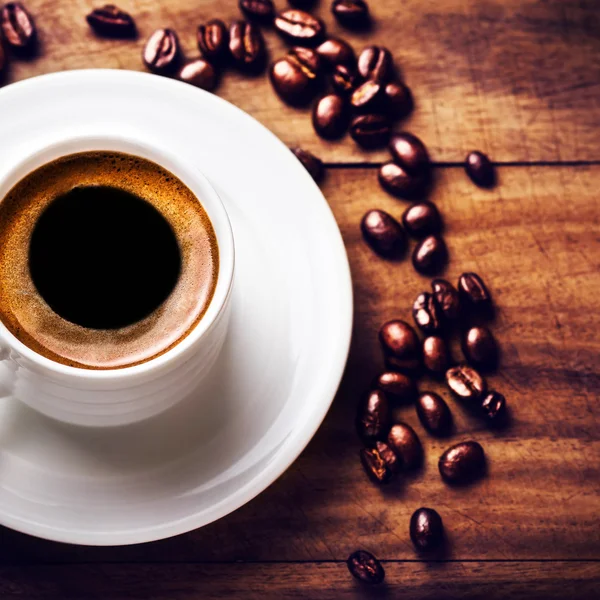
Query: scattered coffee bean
{"x": 365, "y": 567}
{"x": 344, "y": 79}
{"x": 398, "y": 386}
{"x": 299, "y": 27}
{"x": 474, "y": 293}
{"x": 409, "y": 152}
{"x": 351, "y": 13}
{"x": 335, "y": 52}
{"x": 161, "y": 53}
{"x": 426, "y": 529}
{"x": 480, "y": 169}
{"x": 422, "y": 219}
{"x": 479, "y": 348}
{"x": 434, "y": 414}
{"x": 447, "y": 298}
{"x": 401, "y": 345}
{"x": 111, "y": 21}
{"x": 199, "y": 73}
{"x": 367, "y": 97}
{"x": 17, "y": 26}
{"x": 370, "y": 131}
{"x": 436, "y": 356}
{"x": 426, "y": 313}
{"x": 373, "y": 417}
{"x": 213, "y": 39}
{"x": 295, "y": 77}
{"x": 466, "y": 383}
{"x": 430, "y": 255}
{"x": 493, "y": 407}
{"x": 383, "y": 233}
{"x": 376, "y": 62}
{"x": 312, "y": 164}
{"x": 330, "y": 116}
{"x": 462, "y": 463}
{"x": 403, "y": 440}
{"x": 247, "y": 46}
{"x": 261, "y": 10}
{"x": 395, "y": 180}
{"x": 397, "y": 100}
{"x": 375, "y": 464}
{"x": 392, "y": 461}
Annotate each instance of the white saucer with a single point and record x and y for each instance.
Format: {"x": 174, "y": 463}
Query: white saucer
{"x": 282, "y": 361}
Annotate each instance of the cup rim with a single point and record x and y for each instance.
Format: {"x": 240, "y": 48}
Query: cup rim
{"x": 198, "y": 183}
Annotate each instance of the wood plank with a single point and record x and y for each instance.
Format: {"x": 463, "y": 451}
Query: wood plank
{"x": 517, "y": 79}
{"x": 535, "y": 240}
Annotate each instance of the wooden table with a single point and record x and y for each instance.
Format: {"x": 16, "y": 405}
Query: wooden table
{"x": 519, "y": 80}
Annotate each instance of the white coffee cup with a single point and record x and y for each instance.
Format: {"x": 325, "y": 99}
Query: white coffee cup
{"x": 120, "y": 396}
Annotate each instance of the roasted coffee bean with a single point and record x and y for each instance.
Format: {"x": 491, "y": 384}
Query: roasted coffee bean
{"x": 335, "y": 52}
{"x": 474, "y": 293}
{"x": 370, "y": 131}
{"x": 480, "y": 169}
{"x": 422, "y": 219}
{"x": 299, "y": 27}
{"x": 401, "y": 345}
{"x": 426, "y": 529}
{"x": 403, "y": 440}
{"x": 344, "y": 79}
{"x": 161, "y": 53}
{"x": 199, "y": 73}
{"x": 493, "y": 407}
{"x": 295, "y": 77}
{"x": 376, "y": 62}
{"x": 261, "y": 10}
{"x": 351, "y": 13}
{"x": 430, "y": 255}
{"x": 466, "y": 382}
{"x": 330, "y": 116}
{"x": 434, "y": 413}
{"x": 409, "y": 152}
{"x": 436, "y": 356}
{"x": 383, "y": 233}
{"x": 398, "y": 386}
{"x": 392, "y": 461}
{"x": 373, "y": 417}
{"x": 111, "y": 21}
{"x": 398, "y": 182}
{"x": 312, "y": 164}
{"x": 462, "y": 463}
{"x": 479, "y": 348}
{"x": 397, "y": 100}
{"x": 447, "y": 298}
{"x": 365, "y": 567}
{"x": 367, "y": 97}
{"x": 426, "y": 313}
{"x": 213, "y": 39}
{"x": 17, "y": 26}
{"x": 246, "y": 46}
{"x": 375, "y": 465}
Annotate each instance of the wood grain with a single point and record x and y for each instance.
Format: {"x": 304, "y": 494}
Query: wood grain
{"x": 517, "y": 79}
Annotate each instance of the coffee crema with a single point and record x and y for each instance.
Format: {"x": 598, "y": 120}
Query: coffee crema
{"x": 107, "y": 260}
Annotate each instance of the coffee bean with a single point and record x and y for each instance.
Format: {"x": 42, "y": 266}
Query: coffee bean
{"x": 447, "y": 298}
{"x": 344, "y": 79}
{"x": 161, "y": 53}
{"x": 466, "y": 382}
{"x": 376, "y": 62}
{"x": 111, "y": 21}
{"x": 367, "y": 97}
{"x": 403, "y": 440}
{"x": 462, "y": 463}
{"x": 426, "y": 313}
{"x": 17, "y": 26}
{"x": 299, "y": 27}
{"x": 351, "y": 13}
{"x": 335, "y": 52}
{"x": 199, "y": 73}
{"x": 409, "y": 152}
{"x": 330, "y": 117}
{"x": 430, "y": 255}
{"x": 398, "y": 100}
{"x": 474, "y": 293}
{"x": 392, "y": 461}
{"x": 479, "y": 348}
{"x": 434, "y": 414}
{"x": 365, "y": 567}
{"x": 261, "y": 10}
{"x": 395, "y": 180}
{"x": 376, "y": 465}
{"x": 370, "y": 131}
{"x": 401, "y": 345}
{"x": 311, "y": 163}
{"x": 295, "y": 77}
{"x": 480, "y": 169}
{"x": 246, "y": 46}
{"x": 426, "y": 529}
{"x": 422, "y": 219}
{"x": 436, "y": 356}
{"x": 493, "y": 407}
{"x": 373, "y": 417}
{"x": 213, "y": 39}
{"x": 397, "y": 386}
{"x": 383, "y": 233}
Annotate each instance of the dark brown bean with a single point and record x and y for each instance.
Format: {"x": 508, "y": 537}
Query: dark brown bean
{"x": 398, "y": 100}
{"x": 480, "y": 169}
{"x": 436, "y": 356}
{"x": 430, "y": 255}
{"x": 299, "y": 27}
{"x": 365, "y": 567}
{"x": 111, "y": 21}
{"x": 400, "y": 345}
{"x": 383, "y": 233}
{"x": 409, "y": 152}
{"x": 426, "y": 313}
{"x": 462, "y": 463}
{"x": 17, "y": 26}
{"x": 199, "y": 73}
{"x": 493, "y": 407}
{"x": 479, "y": 348}
{"x": 246, "y": 46}
{"x": 311, "y": 163}
{"x": 330, "y": 116}
{"x": 351, "y": 13}
{"x": 344, "y": 79}
{"x": 426, "y": 529}
{"x": 375, "y": 465}
{"x": 161, "y": 53}
{"x": 474, "y": 293}
{"x": 370, "y": 131}
{"x": 295, "y": 77}
{"x": 335, "y": 52}
{"x": 447, "y": 298}
{"x": 376, "y": 62}
{"x": 373, "y": 417}
{"x": 367, "y": 97}
{"x": 403, "y": 440}
{"x": 466, "y": 383}
{"x": 422, "y": 219}
{"x": 213, "y": 39}
{"x": 261, "y": 10}
{"x": 392, "y": 461}
{"x": 397, "y": 386}
{"x": 434, "y": 414}
{"x": 398, "y": 182}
